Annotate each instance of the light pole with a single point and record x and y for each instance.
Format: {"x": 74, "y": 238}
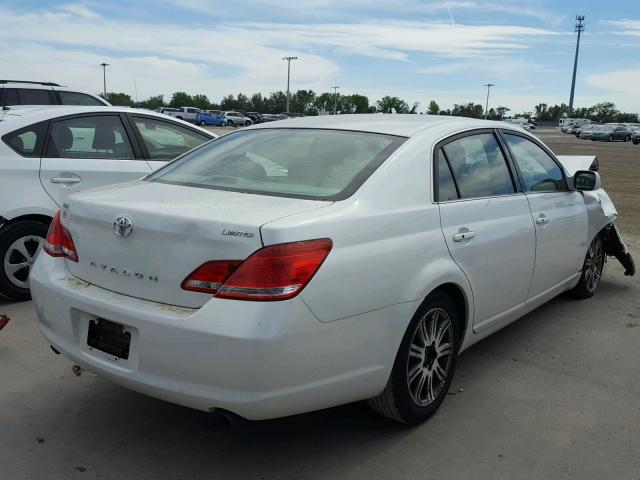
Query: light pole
{"x": 579, "y": 29}
{"x": 335, "y": 99}
{"x": 486, "y": 108}
{"x": 104, "y": 79}
{"x": 288, "y": 59}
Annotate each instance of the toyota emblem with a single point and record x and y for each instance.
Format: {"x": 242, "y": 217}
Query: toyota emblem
{"x": 122, "y": 227}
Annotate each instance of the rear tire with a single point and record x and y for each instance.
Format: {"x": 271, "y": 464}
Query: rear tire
{"x": 202, "y": 123}
{"x": 424, "y": 365}
{"x": 20, "y": 244}
{"x": 610, "y": 139}
{"x": 592, "y": 270}
{"x": 627, "y": 138}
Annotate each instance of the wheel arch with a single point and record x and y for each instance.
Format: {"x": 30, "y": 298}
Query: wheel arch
{"x": 34, "y": 217}
{"x": 460, "y": 299}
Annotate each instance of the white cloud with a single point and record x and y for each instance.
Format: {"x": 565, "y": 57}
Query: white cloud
{"x": 79, "y": 10}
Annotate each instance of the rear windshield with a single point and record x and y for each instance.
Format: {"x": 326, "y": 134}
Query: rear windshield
{"x": 297, "y": 163}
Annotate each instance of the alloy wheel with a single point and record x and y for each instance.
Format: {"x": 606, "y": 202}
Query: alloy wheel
{"x": 19, "y": 259}
{"x": 594, "y": 265}
{"x": 430, "y": 355}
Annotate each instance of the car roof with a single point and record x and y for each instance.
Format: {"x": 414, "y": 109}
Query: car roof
{"x": 405, "y": 125}
{"x": 12, "y": 118}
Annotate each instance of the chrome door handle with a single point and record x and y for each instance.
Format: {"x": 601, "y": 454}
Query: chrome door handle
{"x": 542, "y": 220}
{"x": 460, "y": 236}
{"x": 65, "y": 180}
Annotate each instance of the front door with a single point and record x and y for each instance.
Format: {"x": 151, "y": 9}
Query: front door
{"x": 487, "y": 225}
{"x": 559, "y": 215}
{"x": 88, "y": 151}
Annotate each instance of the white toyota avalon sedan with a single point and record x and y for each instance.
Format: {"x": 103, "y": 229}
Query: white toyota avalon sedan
{"x": 295, "y": 266}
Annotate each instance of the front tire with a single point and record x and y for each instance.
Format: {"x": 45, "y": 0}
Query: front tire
{"x": 592, "y": 270}
{"x": 424, "y": 365}
{"x": 610, "y": 139}
{"x": 627, "y": 138}
{"x": 20, "y": 244}
{"x": 202, "y": 123}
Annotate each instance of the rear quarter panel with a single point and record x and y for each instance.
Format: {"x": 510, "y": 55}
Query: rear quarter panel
{"x": 388, "y": 247}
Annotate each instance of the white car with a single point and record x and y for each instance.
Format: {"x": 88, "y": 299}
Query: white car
{"x": 320, "y": 261}
{"x": 20, "y": 92}
{"x": 46, "y": 153}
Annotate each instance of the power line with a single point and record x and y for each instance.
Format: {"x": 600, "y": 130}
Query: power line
{"x": 579, "y": 29}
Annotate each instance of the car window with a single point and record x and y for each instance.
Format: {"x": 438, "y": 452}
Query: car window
{"x": 298, "y": 163}
{"x": 10, "y": 97}
{"x": 27, "y": 141}
{"x": 77, "y": 98}
{"x": 32, "y": 96}
{"x": 446, "y": 186}
{"x": 540, "y": 173}
{"x": 478, "y": 166}
{"x": 164, "y": 140}
{"x": 100, "y": 136}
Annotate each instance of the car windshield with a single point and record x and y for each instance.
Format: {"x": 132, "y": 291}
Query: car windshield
{"x": 298, "y": 163}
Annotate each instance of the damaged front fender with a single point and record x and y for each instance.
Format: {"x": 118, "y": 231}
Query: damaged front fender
{"x": 615, "y": 247}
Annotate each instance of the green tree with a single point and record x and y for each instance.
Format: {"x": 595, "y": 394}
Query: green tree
{"x": 604, "y": 112}
{"x": 181, "y": 99}
{"x": 152, "y": 102}
{"x": 497, "y": 113}
{"x": 119, "y": 99}
{"x": 471, "y": 110}
{"x": 200, "y": 101}
{"x": 627, "y": 118}
{"x": 434, "y": 108}
{"x": 360, "y": 103}
{"x": 388, "y": 104}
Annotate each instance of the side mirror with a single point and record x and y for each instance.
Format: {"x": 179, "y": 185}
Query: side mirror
{"x": 586, "y": 180}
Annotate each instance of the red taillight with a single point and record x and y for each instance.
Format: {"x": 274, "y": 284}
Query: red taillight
{"x": 59, "y": 242}
{"x": 209, "y": 277}
{"x": 276, "y": 272}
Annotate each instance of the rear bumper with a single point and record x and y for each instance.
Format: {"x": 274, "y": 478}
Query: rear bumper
{"x": 256, "y": 359}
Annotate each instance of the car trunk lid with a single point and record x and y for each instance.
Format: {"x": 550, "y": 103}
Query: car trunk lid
{"x": 174, "y": 229}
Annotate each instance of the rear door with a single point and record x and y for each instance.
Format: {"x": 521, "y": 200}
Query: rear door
{"x": 486, "y": 223}
{"x": 86, "y": 151}
{"x": 163, "y": 140}
{"x": 559, "y": 214}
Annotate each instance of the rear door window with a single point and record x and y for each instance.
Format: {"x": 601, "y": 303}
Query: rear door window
{"x": 447, "y": 189}
{"x": 100, "y": 136}
{"x": 34, "y": 96}
{"x": 479, "y": 166}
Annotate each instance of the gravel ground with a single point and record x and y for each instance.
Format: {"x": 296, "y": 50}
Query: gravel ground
{"x": 555, "y": 395}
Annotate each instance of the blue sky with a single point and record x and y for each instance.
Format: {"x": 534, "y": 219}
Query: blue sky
{"x": 418, "y": 50}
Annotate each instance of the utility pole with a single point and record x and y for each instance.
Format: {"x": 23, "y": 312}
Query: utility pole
{"x": 104, "y": 79}
{"x": 288, "y": 59}
{"x": 579, "y": 29}
{"x": 486, "y": 107}
{"x": 335, "y": 99}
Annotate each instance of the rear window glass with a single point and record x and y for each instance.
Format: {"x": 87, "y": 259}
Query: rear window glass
{"x": 77, "y": 98}
{"x": 298, "y": 163}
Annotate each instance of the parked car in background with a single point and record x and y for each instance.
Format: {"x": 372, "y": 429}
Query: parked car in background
{"x": 611, "y": 133}
{"x": 588, "y": 131}
{"x": 215, "y": 112}
{"x": 254, "y": 116}
{"x": 567, "y": 123}
{"x": 236, "y": 119}
{"x": 189, "y": 114}
{"x": 47, "y": 153}
{"x": 584, "y": 128}
{"x": 206, "y": 118}
{"x": 635, "y": 138}
{"x": 264, "y": 285}
{"x": 20, "y": 92}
